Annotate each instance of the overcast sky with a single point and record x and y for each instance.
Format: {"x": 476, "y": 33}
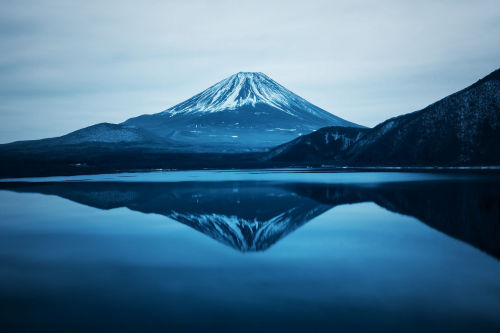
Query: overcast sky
{"x": 69, "y": 64}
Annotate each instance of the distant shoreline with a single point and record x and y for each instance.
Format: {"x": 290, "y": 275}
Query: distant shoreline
{"x": 122, "y": 175}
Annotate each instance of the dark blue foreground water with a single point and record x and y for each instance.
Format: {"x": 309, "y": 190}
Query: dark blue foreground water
{"x": 256, "y": 252}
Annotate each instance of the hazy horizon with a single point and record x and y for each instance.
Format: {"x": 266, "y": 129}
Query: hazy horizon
{"x": 66, "y": 66}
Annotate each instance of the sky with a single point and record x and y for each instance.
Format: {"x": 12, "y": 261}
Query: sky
{"x": 68, "y": 64}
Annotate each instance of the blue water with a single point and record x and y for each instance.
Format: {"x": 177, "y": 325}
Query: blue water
{"x": 251, "y": 252}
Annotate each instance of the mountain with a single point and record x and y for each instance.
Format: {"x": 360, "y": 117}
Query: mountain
{"x": 103, "y": 133}
{"x": 225, "y": 126}
{"x": 320, "y": 147}
{"x": 246, "y": 120}
{"x": 244, "y": 112}
{"x": 462, "y": 129}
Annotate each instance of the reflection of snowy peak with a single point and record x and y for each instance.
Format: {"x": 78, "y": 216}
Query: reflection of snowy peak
{"x": 248, "y": 234}
{"x": 246, "y": 216}
{"x": 240, "y": 233}
{"x": 252, "y": 216}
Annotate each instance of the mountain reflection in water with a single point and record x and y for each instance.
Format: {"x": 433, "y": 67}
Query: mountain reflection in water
{"x": 252, "y": 216}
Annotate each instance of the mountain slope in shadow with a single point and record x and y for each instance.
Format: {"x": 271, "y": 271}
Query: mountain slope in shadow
{"x": 462, "y": 129}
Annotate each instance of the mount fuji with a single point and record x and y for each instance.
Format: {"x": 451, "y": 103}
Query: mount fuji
{"x": 244, "y": 112}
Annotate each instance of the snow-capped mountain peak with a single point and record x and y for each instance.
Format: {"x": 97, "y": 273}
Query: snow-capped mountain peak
{"x": 245, "y": 112}
{"x": 245, "y": 89}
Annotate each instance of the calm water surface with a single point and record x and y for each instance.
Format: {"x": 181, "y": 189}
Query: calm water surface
{"x": 251, "y": 252}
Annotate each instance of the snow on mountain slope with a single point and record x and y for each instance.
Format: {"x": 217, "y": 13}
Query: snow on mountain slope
{"x": 244, "y": 112}
{"x": 247, "y": 88}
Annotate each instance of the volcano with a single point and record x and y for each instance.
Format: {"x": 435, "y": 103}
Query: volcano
{"x": 244, "y": 112}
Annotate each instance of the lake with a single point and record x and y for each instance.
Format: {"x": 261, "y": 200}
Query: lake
{"x": 251, "y": 251}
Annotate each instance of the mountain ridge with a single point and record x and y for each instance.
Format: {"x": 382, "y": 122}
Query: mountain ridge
{"x": 460, "y": 129}
{"x": 453, "y": 131}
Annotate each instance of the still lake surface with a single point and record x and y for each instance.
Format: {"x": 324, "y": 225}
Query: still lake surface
{"x": 251, "y": 251}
